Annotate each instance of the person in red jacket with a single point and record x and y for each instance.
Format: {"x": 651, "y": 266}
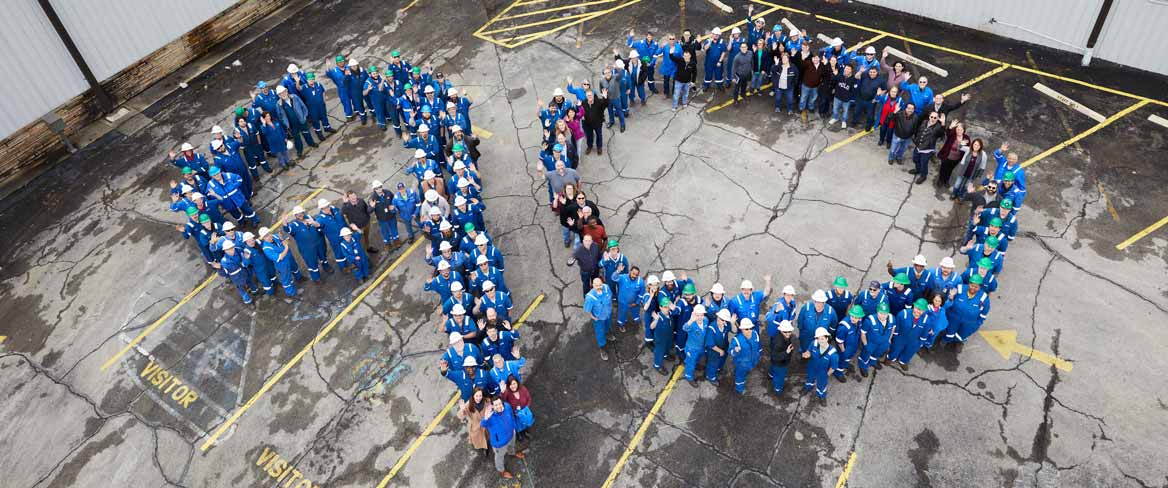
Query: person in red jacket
{"x": 888, "y": 104}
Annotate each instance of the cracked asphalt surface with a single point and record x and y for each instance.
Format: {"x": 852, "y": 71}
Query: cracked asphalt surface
{"x": 91, "y": 259}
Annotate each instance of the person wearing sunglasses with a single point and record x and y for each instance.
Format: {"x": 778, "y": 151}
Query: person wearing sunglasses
{"x": 919, "y": 94}
{"x": 925, "y": 139}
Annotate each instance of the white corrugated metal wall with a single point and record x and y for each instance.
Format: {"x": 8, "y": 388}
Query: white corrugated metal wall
{"x": 110, "y": 35}
{"x": 1135, "y": 33}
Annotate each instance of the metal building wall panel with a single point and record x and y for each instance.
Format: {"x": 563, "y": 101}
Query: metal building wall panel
{"x": 1136, "y": 34}
{"x": 39, "y": 74}
{"x": 114, "y": 34}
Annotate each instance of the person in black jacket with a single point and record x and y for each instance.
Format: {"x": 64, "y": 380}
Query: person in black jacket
{"x": 687, "y": 72}
{"x": 382, "y": 202}
{"x": 588, "y": 257}
{"x": 785, "y": 82}
{"x": 782, "y": 346}
{"x": 358, "y": 212}
{"x": 928, "y": 132}
{"x": 570, "y": 215}
{"x": 904, "y": 125}
{"x": 593, "y": 109}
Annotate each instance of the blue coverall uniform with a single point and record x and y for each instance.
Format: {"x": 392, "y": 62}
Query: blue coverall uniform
{"x": 310, "y": 243}
{"x": 355, "y": 255}
{"x": 714, "y": 66}
{"x": 847, "y": 340}
{"x": 331, "y": 225}
{"x": 234, "y": 267}
{"x": 716, "y": 337}
{"x": 917, "y": 282}
{"x": 809, "y": 320}
{"x": 337, "y": 74}
{"x": 466, "y": 383}
{"x": 966, "y": 314}
{"x": 879, "y": 336}
{"x": 441, "y": 285}
{"x": 906, "y": 340}
{"x": 286, "y": 268}
{"x": 745, "y": 351}
{"x": 232, "y": 199}
{"x": 628, "y": 296}
{"x": 821, "y": 362}
{"x": 317, "y": 110}
{"x": 897, "y": 300}
{"x": 869, "y": 303}
{"x": 598, "y": 304}
{"x": 695, "y": 344}
{"x": 663, "y": 336}
{"x": 259, "y": 263}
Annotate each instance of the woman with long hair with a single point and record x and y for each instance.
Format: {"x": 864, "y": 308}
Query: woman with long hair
{"x": 971, "y": 168}
{"x": 471, "y": 412}
{"x": 520, "y": 399}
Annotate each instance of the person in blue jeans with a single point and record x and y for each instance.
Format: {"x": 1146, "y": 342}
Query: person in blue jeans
{"x": 809, "y": 89}
{"x": 499, "y": 420}
{"x": 845, "y": 91}
{"x": 683, "y": 78}
{"x": 904, "y": 125}
{"x": 598, "y": 304}
{"x": 784, "y": 78}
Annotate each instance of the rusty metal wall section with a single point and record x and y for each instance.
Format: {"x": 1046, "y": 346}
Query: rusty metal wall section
{"x": 1134, "y": 35}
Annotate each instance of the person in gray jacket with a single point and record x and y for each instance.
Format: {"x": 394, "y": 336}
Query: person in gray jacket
{"x": 741, "y": 71}
{"x": 614, "y": 81}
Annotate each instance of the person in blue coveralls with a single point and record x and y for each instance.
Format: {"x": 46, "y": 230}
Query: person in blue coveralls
{"x": 1008, "y": 165}
{"x": 939, "y": 318}
{"x": 715, "y": 63}
{"x": 876, "y": 337}
{"x": 234, "y": 266}
{"x": 987, "y": 250}
{"x": 919, "y": 275}
{"x": 459, "y": 350}
{"x": 744, "y": 348}
{"x": 354, "y": 252}
{"x": 716, "y": 301}
{"x": 309, "y": 241}
{"x": 355, "y": 83}
{"x": 748, "y": 303}
{"x": 260, "y": 265}
{"x": 813, "y": 315}
{"x": 717, "y": 344}
{"x": 870, "y": 298}
{"x": 441, "y": 279}
{"x": 630, "y": 286}
{"x": 847, "y": 340}
{"x": 337, "y": 74}
{"x": 663, "y": 323}
{"x": 695, "y": 342}
{"x": 898, "y": 292}
{"x": 822, "y": 358}
{"x": 969, "y": 308}
{"x": 646, "y": 47}
{"x": 984, "y": 268}
{"x": 944, "y": 278}
{"x": 282, "y": 260}
{"x": 227, "y": 189}
{"x": 839, "y": 297}
{"x": 466, "y": 379}
{"x": 318, "y": 119}
{"x": 331, "y": 222}
{"x": 598, "y": 305}
{"x": 911, "y": 324}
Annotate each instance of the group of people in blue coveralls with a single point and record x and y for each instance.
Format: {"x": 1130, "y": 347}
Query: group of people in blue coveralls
{"x": 836, "y": 331}
{"x": 215, "y": 192}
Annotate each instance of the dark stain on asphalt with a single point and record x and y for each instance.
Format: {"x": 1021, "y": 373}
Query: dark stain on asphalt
{"x": 927, "y": 444}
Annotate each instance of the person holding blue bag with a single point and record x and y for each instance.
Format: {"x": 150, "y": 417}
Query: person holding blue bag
{"x": 516, "y": 395}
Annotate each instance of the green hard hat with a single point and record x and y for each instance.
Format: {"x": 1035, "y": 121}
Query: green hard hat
{"x": 992, "y": 242}
{"x": 689, "y": 289}
{"x": 239, "y": 111}
{"x": 339, "y": 59}
{"x": 187, "y": 170}
{"x": 192, "y": 211}
{"x": 663, "y": 302}
{"x": 840, "y": 282}
{"x": 458, "y": 147}
{"x": 1008, "y": 177}
{"x": 1006, "y": 203}
{"x": 976, "y": 279}
{"x": 995, "y": 222}
{"x": 986, "y": 263}
{"x": 882, "y": 307}
{"x": 857, "y": 311}
{"x": 644, "y": 59}
{"x": 310, "y": 76}
{"x": 372, "y": 69}
{"x": 468, "y": 227}
{"x": 204, "y": 218}
{"x": 614, "y": 243}
{"x": 416, "y": 70}
{"x": 395, "y": 53}
{"x": 409, "y": 86}
{"x": 902, "y": 279}
{"x": 921, "y": 304}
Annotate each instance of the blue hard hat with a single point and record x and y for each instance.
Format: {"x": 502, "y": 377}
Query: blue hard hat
{"x": 558, "y": 147}
{"x": 777, "y": 28}
{"x": 214, "y": 170}
{"x": 425, "y": 109}
{"x": 262, "y": 84}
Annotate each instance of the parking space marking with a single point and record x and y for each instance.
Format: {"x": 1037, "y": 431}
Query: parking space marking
{"x": 869, "y": 41}
{"x": 407, "y": 7}
{"x": 1065, "y": 100}
{"x": 789, "y": 9}
{"x": 946, "y": 93}
{"x": 185, "y": 299}
{"x": 1107, "y": 200}
{"x": 1141, "y": 234}
{"x": 843, "y": 479}
{"x": 730, "y": 102}
{"x": 1158, "y": 120}
{"x": 1068, "y": 142}
{"x": 768, "y": 11}
{"x": 554, "y": 9}
{"x": 636, "y": 441}
{"x": 445, "y": 410}
{"x": 481, "y": 132}
{"x": 316, "y": 340}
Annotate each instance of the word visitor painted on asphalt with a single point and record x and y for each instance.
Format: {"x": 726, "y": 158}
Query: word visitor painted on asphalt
{"x": 282, "y": 471}
{"x": 169, "y": 384}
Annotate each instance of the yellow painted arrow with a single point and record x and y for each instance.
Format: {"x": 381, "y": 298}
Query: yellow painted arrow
{"x": 1006, "y": 341}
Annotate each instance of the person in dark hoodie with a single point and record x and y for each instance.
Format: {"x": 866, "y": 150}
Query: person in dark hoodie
{"x": 845, "y": 87}
{"x": 871, "y": 86}
{"x": 929, "y": 131}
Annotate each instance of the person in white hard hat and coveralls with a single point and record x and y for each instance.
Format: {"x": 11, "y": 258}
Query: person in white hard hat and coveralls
{"x": 282, "y": 259}
{"x": 354, "y": 252}
{"x": 744, "y": 348}
{"x": 309, "y": 241}
{"x": 598, "y": 305}
{"x": 331, "y": 222}
{"x": 717, "y": 344}
{"x": 814, "y": 315}
{"x": 822, "y": 358}
{"x": 234, "y": 266}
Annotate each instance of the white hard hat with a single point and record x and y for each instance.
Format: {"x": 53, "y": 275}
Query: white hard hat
{"x": 443, "y": 265}
{"x": 456, "y": 128}
{"x": 633, "y": 54}
{"x": 322, "y": 203}
{"x": 216, "y": 130}
{"x": 785, "y": 326}
{"x": 435, "y": 211}
{"x": 247, "y": 236}
{"x": 746, "y": 324}
{"x": 457, "y": 309}
{"x": 819, "y": 296}
{"x": 837, "y": 42}
{"x": 264, "y": 231}
{"x": 735, "y": 31}
{"x": 345, "y": 231}
{"x": 788, "y": 290}
{"x": 480, "y": 240}
{"x": 456, "y": 286}
{"x": 444, "y": 246}
{"x": 459, "y": 201}
{"x": 946, "y": 262}
{"x": 619, "y": 64}
{"x": 445, "y": 225}
{"x": 795, "y": 32}
{"x": 227, "y": 244}
{"x": 821, "y": 332}
{"x": 557, "y": 92}
{"x": 428, "y": 174}
{"x": 463, "y": 183}
{"x": 297, "y": 209}
{"x": 455, "y": 337}
{"x": 196, "y": 196}
{"x": 870, "y": 50}
{"x": 216, "y": 144}
{"x": 668, "y": 276}
{"x": 419, "y": 153}
{"x": 292, "y": 68}
{"x": 699, "y": 310}
{"x": 280, "y": 89}
{"x": 459, "y": 165}
{"x": 185, "y": 188}
{"x": 376, "y": 184}
{"x": 423, "y": 128}
{"x": 717, "y": 31}
{"x": 746, "y": 284}
{"x": 724, "y": 315}
{"x": 760, "y": 19}
{"x": 653, "y": 280}
{"x": 353, "y": 63}
{"x": 228, "y": 226}
{"x": 487, "y": 285}
{"x": 429, "y": 89}
{"x": 920, "y": 260}
{"x": 431, "y": 195}
{"x": 186, "y": 146}
{"x": 450, "y": 105}
{"x": 717, "y": 288}
{"x": 452, "y": 91}
{"x": 482, "y": 259}
{"x": 469, "y": 362}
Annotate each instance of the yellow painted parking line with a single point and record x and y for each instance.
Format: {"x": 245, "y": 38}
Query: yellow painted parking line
{"x": 532, "y": 37}
{"x": 869, "y": 41}
{"x": 496, "y": 17}
{"x": 1107, "y": 200}
{"x": 554, "y": 9}
{"x": 730, "y": 102}
{"x": 445, "y": 411}
{"x": 727, "y": 28}
{"x": 1068, "y": 142}
{"x": 636, "y": 441}
{"x": 481, "y": 132}
{"x": 300, "y": 355}
{"x": 789, "y": 9}
{"x": 539, "y": 22}
{"x": 948, "y": 92}
{"x": 3, "y": 338}
{"x": 843, "y": 479}
{"x": 1089, "y": 85}
{"x": 185, "y": 299}
{"x": 1142, "y": 234}
{"x": 908, "y": 39}
{"x": 407, "y": 7}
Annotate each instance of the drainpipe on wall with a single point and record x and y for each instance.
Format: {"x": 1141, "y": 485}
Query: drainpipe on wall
{"x": 103, "y": 97}
{"x": 1099, "y": 21}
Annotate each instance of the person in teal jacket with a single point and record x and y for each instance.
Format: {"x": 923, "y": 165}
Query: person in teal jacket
{"x": 598, "y": 305}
